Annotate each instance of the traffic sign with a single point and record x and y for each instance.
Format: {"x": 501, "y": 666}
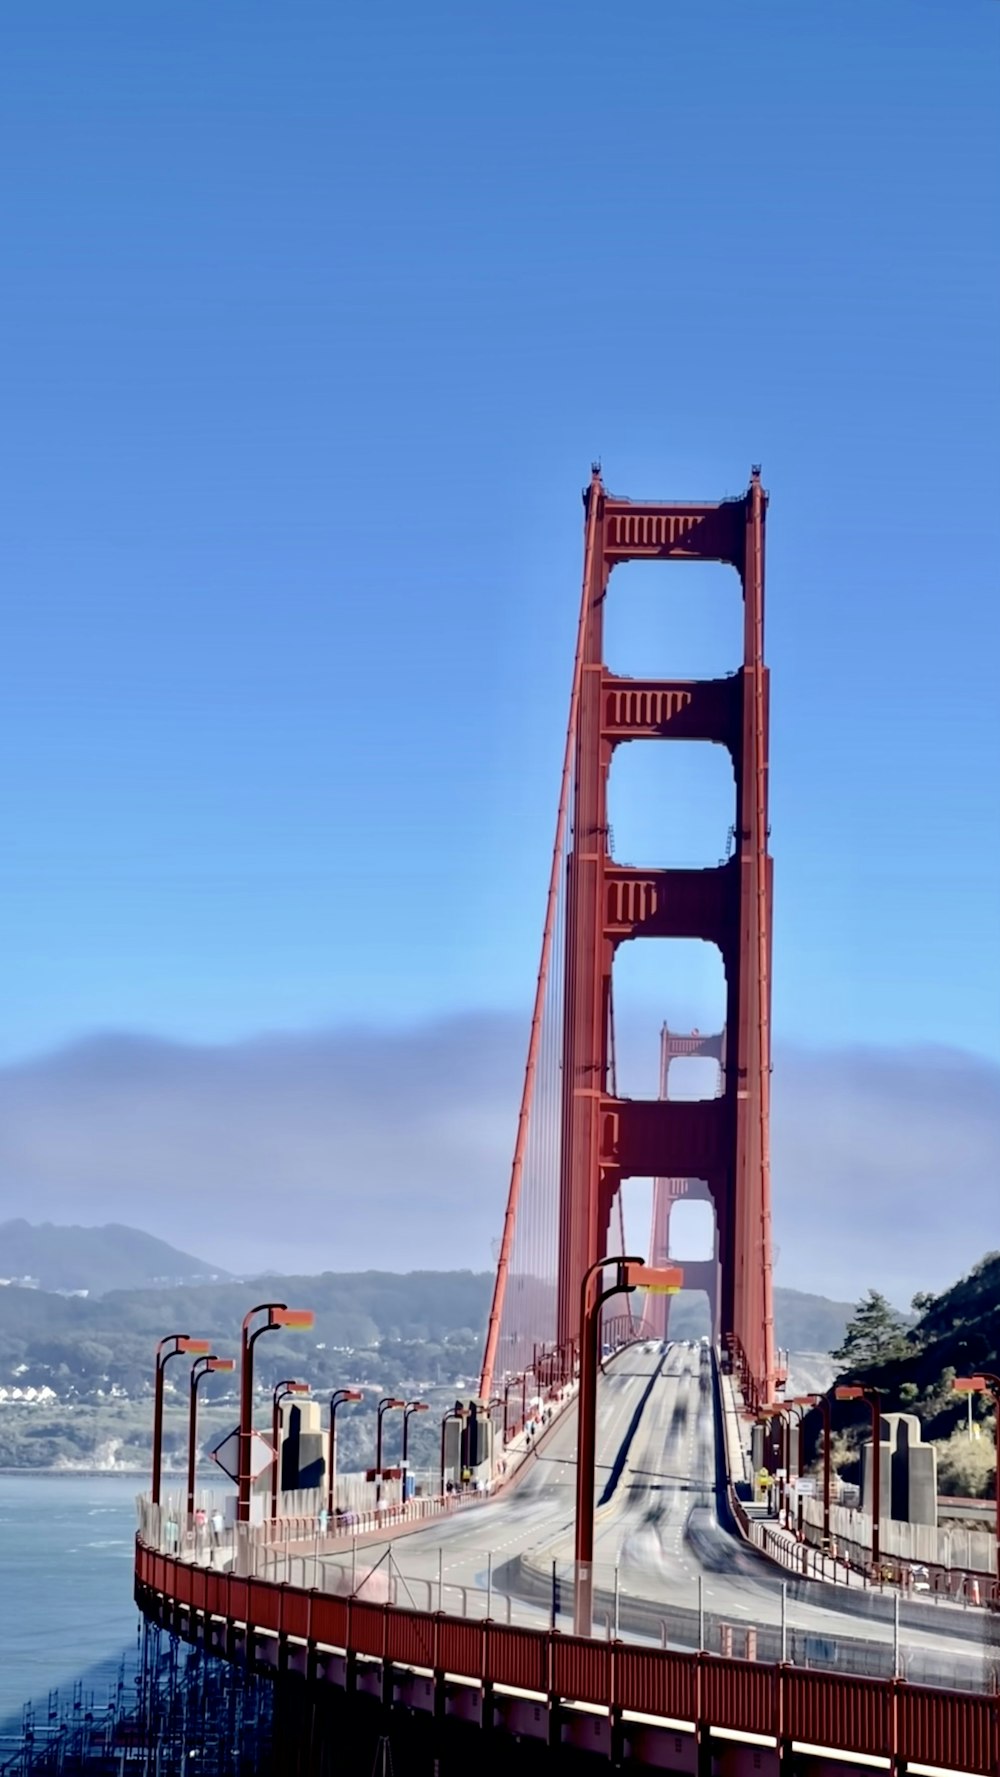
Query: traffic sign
{"x": 227, "y": 1454}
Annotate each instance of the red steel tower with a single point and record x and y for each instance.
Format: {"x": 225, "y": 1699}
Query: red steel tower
{"x": 699, "y": 1274}
{"x": 723, "y": 1141}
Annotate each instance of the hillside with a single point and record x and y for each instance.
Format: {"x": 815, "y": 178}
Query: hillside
{"x": 97, "y": 1260}
{"x": 801, "y": 1322}
{"x": 914, "y": 1365}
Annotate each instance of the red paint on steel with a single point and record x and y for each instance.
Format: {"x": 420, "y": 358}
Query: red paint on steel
{"x": 582, "y": 1669}
{"x": 263, "y": 1604}
{"x": 858, "y": 1711}
{"x": 739, "y": 1694}
{"x": 702, "y": 1274}
{"x": 330, "y": 1620}
{"x": 367, "y": 1628}
{"x": 657, "y": 1683}
{"x": 874, "y": 1717}
{"x": 462, "y": 1647}
{"x": 238, "y": 1601}
{"x": 412, "y": 1638}
{"x": 294, "y": 1613}
{"x": 723, "y": 1141}
{"x": 948, "y": 1728}
{"x": 519, "y": 1657}
{"x": 544, "y": 966}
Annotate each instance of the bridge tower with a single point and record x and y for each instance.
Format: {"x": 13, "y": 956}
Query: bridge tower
{"x": 699, "y": 1274}
{"x": 722, "y": 1141}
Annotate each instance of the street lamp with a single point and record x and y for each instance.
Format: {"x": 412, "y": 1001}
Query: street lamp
{"x": 278, "y": 1315}
{"x": 799, "y": 1403}
{"x": 408, "y": 1411}
{"x": 461, "y": 1414}
{"x": 984, "y": 1384}
{"x": 174, "y": 1345}
{"x": 855, "y": 1392}
{"x": 386, "y": 1405}
{"x": 280, "y": 1392}
{"x": 822, "y": 1401}
{"x": 529, "y": 1370}
{"x": 630, "y": 1274}
{"x": 339, "y": 1398}
{"x": 202, "y": 1366}
{"x": 767, "y": 1415}
{"x": 506, "y": 1411}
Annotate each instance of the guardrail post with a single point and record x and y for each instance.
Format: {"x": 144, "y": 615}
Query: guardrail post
{"x": 786, "y": 1763}
{"x": 897, "y": 1763}
{"x": 555, "y": 1713}
{"x": 616, "y": 1721}
{"x": 702, "y": 1728}
{"x": 487, "y": 1715}
{"x": 351, "y": 1658}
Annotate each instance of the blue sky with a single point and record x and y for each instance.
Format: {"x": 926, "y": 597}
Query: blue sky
{"x": 314, "y": 318}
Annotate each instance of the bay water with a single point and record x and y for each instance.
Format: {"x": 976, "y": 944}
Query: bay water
{"x": 66, "y": 1607}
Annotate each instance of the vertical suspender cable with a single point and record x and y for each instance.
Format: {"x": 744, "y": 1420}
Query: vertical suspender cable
{"x": 527, "y": 1093}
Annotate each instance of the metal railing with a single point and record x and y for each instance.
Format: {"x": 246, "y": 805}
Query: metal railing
{"x": 373, "y": 1560}
{"x": 740, "y": 1687}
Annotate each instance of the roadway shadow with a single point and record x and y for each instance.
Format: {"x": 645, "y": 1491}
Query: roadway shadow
{"x": 625, "y": 1446}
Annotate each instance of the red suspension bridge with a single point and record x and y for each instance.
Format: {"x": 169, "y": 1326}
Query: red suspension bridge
{"x": 684, "y": 1652}
{"x": 577, "y": 1140}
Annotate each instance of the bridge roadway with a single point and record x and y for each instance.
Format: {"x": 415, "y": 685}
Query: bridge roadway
{"x": 661, "y": 1520}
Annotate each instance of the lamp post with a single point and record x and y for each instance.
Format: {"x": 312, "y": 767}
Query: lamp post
{"x": 822, "y": 1401}
{"x": 778, "y": 1410}
{"x": 174, "y": 1345}
{"x": 408, "y": 1412}
{"x": 630, "y": 1274}
{"x": 856, "y": 1392}
{"x": 529, "y": 1370}
{"x": 461, "y": 1414}
{"x": 280, "y": 1392}
{"x": 506, "y": 1411}
{"x": 982, "y": 1383}
{"x": 386, "y": 1405}
{"x": 202, "y": 1366}
{"x": 340, "y": 1398}
{"x": 799, "y": 1404}
{"x": 278, "y": 1315}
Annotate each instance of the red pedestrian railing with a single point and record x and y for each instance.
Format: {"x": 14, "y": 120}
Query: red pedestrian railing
{"x": 881, "y": 1718}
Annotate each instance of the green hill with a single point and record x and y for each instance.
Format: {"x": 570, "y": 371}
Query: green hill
{"x": 97, "y": 1260}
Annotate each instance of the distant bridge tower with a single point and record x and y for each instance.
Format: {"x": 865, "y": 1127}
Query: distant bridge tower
{"x": 723, "y": 1141}
{"x": 699, "y": 1274}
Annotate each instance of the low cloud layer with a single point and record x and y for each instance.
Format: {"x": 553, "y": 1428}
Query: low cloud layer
{"x": 354, "y": 1149}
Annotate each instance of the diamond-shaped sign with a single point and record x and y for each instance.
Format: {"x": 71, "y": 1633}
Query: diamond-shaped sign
{"x": 227, "y": 1454}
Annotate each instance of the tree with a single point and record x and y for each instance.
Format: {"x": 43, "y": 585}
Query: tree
{"x": 875, "y": 1335}
{"x": 966, "y": 1466}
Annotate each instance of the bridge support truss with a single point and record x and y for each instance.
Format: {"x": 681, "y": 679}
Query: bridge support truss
{"x": 722, "y": 1141}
